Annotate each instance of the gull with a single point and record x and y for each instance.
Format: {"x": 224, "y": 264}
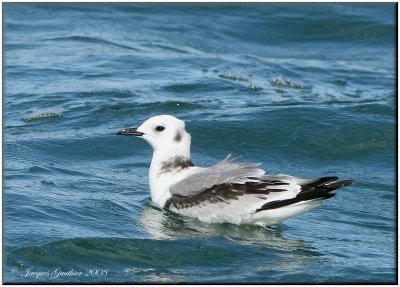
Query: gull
{"x": 229, "y": 191}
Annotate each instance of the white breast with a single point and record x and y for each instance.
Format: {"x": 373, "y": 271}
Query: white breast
{"x": 160, "y": 183}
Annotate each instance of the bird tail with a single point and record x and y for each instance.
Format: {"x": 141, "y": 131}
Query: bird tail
{"x": 320, "y": 188}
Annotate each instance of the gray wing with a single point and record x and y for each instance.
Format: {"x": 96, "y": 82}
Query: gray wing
{"x": 226, "y": 171}
{"x": 264, "y": 193}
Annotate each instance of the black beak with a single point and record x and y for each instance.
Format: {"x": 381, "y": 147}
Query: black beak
{"x": 130, "y": 132}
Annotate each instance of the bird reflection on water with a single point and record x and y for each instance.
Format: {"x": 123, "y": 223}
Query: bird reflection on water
{"x": 161, "y": 224}
{"x": 278, "y": 253}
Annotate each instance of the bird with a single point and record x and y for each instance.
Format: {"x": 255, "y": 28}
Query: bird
{"x": 230, "y": 191}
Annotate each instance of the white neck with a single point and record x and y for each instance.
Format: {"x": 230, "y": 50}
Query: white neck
{"x": 164, "y": 164}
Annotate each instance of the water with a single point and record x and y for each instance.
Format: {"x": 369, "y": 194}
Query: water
{"x": 306, "y": 89}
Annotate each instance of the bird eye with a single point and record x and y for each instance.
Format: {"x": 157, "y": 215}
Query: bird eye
{"x": 160, "y": 128}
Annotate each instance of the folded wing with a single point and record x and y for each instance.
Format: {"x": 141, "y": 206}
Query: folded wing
{"x": 229, "y": 181}
{"x": 226, "y": 171}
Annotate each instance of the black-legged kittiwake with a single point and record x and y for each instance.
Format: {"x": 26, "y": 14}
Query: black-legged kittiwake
{"x": 230, "y": 191}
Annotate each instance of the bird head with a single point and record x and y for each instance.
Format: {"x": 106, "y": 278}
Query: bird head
{"x": 166, "y": 134}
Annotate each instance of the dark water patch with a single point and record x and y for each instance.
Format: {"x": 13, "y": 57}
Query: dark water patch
{"x": 178, "y": 88}
{"x": 69, "y": 172}
{"x": 165, "y": 47}
{"x": 206, "y": 87}
{"x": 375, "y": 109}
{"x": 41, "y": 74}
{"x": 282, "y": 104}
{"x": 338, "y": 100}
{"x": 19, "y": 177}
{"x": 38, "y": 169}
{"x": 356, "y": 94}
{"x": 107, "y": 94}
{"x": 22, "y": 46}
{"x": 341, "y": 82}
{"x": 89, "y": 40}
{"x": 97, "y": 75}
{"x": 23, "y": 26}
{"x": 188, "y": 88}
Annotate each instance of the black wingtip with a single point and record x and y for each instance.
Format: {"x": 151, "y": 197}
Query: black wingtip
{"x": 323, "y": 180}
{"x": 320, "y": 189}
{"x": 339, "y": 184}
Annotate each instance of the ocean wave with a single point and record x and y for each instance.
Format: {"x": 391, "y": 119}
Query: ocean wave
{"x": 90, "y": 40}
{"x": 49, "y": 113}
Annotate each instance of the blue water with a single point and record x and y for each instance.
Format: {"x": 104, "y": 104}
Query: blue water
{"x": 305, "y": 89}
